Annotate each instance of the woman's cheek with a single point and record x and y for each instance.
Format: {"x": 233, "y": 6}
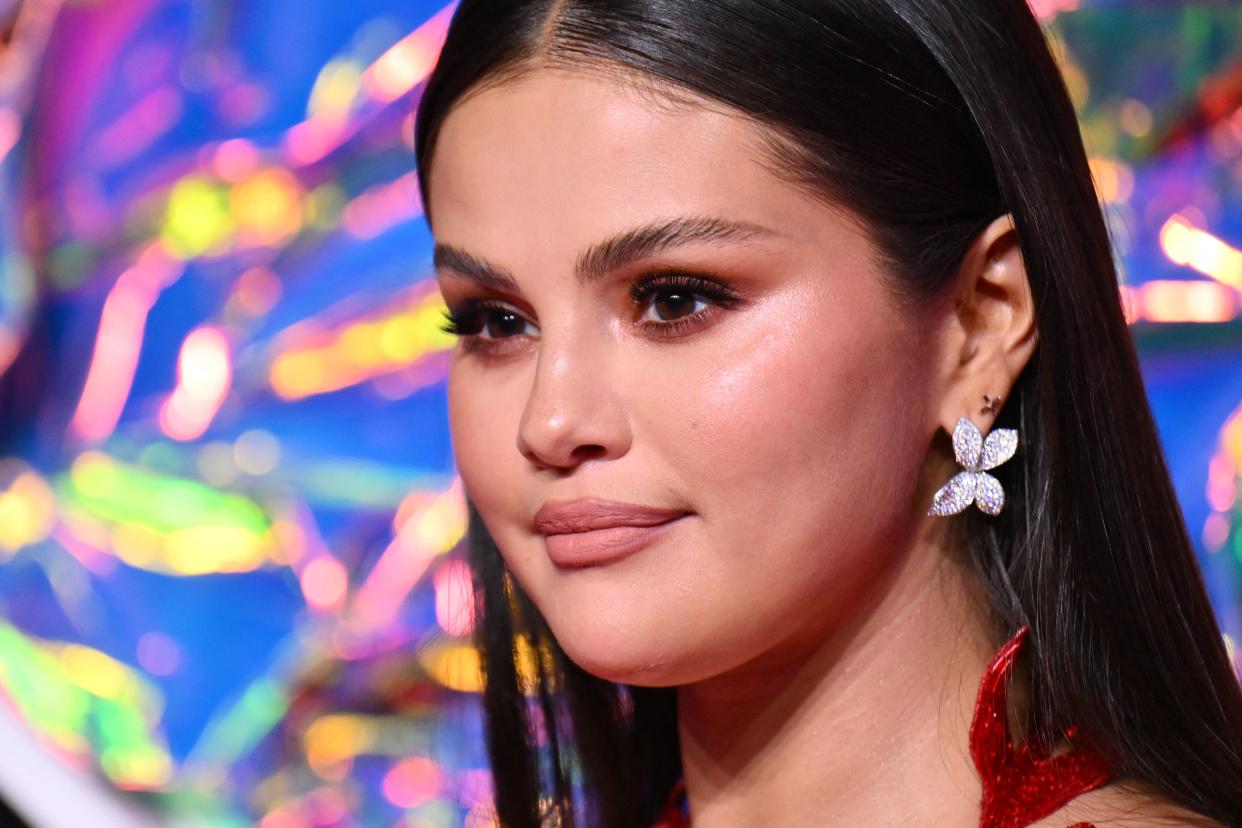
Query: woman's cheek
{"x": 484, "y": 440}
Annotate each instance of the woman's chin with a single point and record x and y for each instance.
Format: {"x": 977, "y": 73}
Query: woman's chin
{"x": 626, "y": 654}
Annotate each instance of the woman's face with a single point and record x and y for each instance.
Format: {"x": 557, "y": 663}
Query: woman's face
{"x": 683, "y": 330}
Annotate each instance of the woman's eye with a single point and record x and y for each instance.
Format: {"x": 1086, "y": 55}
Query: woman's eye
{"x": 486, "y": 324}
{"x": 500, "y": 324}
{"x": 677, "y": 304}
{"x": 669, "y": 304}
{"x": 666, "y": 304}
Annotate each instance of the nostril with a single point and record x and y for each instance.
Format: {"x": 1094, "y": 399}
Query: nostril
{"x": 588, "y": 452}
{"x": 551, "y": 458}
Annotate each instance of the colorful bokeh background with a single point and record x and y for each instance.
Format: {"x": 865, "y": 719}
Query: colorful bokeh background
{"x": 231, "y": 587}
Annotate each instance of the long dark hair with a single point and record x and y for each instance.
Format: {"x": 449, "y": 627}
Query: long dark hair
{"x": 929, "y": 119}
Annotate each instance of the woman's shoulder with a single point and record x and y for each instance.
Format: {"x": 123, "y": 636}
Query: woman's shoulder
{"x": 1121, "y": 805}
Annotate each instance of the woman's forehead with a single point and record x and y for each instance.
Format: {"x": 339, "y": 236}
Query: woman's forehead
{"x": 559, "y": 151}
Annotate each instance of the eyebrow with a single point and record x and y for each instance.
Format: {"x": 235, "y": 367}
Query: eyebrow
{"x": 604, "y": 257}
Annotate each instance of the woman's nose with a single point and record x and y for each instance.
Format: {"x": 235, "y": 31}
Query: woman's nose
{"x": 572, "y": 413}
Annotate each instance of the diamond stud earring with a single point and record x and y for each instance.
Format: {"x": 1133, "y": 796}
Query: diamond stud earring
{"x": 973, "y": 484}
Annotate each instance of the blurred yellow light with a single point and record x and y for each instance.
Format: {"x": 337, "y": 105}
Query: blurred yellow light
{"x": 399, "y": 338}
{"x": 359, "y": 344}
{"x": 455, "y": 666}
{"x": 93, "y": 473}
{"x": 442, "y": 524}
{"x": 197, "y": 219}
{"x": 164, "y": 523}
{"x": 198, "y": 550}
{"x": 1114, "y": 181}
{"x": 332, "y": 739}
{"x": 27, "y": 512}
{"x": 134, "y": 768}
{"x": 1179, "y": 301}
{"x": 1231, "y": 438}
{"x": 1185, "y": 244}
{"x": 138, "y": 545}
{"x": 291, "y": 542}
{"x": 360, "y": 350}
{"x": 296, "y": 374}
{"x": 97, "y": 673}
{"x": 267, "y": 207}
{"x": 334, "y": 91}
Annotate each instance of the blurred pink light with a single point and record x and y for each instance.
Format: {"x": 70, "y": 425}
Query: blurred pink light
{"x": 159, "y": 654}
{"x": 10, "y": 130}
{"x": 411, "y": 782}
{"x": 204, "y": 376}
{"x": 1045, "y": 10}
{"x": 422, "y": 529}
{"x": 1222, "y": 484}
{"x": 327, "y": 806}
{"x": 118, "y": 342}
{"x": 454, "y": 599}
{"x": 285, "y": 816}
{"x": 309, "y": 141}
{"x": 382, "y": 207}
{"x": 95, "y": 559}
{"x": 324, "y": 583}
{"x": 234, "y": 160}
{"x": 404, "y": 66}
{"x": 1215, "y": 532}
{"x": 138, "y": 128}
{"x": 393, "y": 73}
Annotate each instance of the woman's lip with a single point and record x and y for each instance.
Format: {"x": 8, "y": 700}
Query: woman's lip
{"x": 596, "y": 547}
{"x": 559, "y": 517}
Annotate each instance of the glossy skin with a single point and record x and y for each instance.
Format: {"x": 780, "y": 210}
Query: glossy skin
{"x": 766, "y": 382}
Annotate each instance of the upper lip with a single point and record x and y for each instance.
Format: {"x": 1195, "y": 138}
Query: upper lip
{"x": 560, "y": 517}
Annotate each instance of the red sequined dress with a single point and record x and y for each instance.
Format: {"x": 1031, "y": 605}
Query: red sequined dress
{"x": 1020, "y": 785}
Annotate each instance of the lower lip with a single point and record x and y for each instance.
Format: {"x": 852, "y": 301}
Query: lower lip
{"x": 603, "y": 546}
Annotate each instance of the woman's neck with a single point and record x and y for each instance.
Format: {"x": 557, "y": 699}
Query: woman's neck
{"x": 866, "y": 725}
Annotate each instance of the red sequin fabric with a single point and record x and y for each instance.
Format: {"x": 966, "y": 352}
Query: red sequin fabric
{"x": 1021, "y": 784}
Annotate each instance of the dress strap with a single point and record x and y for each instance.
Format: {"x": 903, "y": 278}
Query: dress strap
{"x": 1023, "y": 784}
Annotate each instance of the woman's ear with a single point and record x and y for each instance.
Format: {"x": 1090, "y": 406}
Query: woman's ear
{"x": 992, "y": 326}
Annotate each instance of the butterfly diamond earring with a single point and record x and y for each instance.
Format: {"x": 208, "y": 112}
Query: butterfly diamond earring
{"x": 976, "y": 455}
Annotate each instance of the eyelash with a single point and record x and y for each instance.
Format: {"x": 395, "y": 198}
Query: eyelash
{"x": 468, "y": 318}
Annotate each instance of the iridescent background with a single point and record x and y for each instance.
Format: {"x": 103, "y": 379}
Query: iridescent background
{"x": 231, "y": 591}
